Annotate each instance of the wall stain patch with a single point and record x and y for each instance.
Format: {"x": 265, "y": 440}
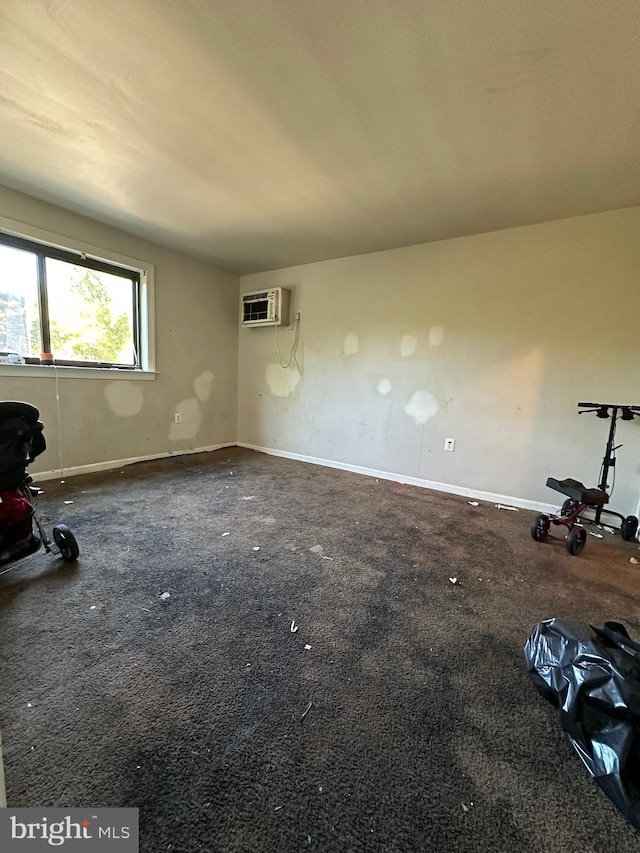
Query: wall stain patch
{"x": 191, "y": 420}
{"x": 384, "y": 386}
{"x": 202, "y": 385}
{"x": 436, "y": 336}
{"x": 421, "y": 407}
{"x": 125, "y": 398}
{"x": 351, "y": 344}
{"x": 281, "y": 381}
{"x": 408, "y": 345}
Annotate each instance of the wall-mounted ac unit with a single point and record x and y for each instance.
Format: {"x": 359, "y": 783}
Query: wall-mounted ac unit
{"x": 266, "y": 307}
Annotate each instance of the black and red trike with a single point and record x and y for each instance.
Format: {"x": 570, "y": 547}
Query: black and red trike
{"x": 580, "y": 499}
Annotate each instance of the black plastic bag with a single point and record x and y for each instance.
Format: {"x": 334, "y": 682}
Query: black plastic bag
{"x": 593, "y": 676}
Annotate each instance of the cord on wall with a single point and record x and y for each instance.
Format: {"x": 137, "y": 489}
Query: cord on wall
{"x": 293, "y": 355}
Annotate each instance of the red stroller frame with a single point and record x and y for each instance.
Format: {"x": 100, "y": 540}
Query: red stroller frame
{"x": 579, "y": 498}
{"x": 22, "y": 533}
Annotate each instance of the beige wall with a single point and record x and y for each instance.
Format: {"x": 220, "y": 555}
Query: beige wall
{"x": 491, "y": 340}
{"x": 196, "y": 334}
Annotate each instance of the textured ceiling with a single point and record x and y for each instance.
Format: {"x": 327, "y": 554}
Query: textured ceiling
{"x": 264, "y": 133}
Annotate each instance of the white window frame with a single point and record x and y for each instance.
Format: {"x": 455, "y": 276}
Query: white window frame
{"x": 145, "y": 270}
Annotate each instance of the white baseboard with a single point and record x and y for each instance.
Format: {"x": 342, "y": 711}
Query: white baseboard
{"x": 120, "y": 463}
{"x": 474, "y": 494}
{"x": 3, "y": 792}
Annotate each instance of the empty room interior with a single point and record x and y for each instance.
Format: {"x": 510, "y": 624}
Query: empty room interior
{"x": 312, "y": 299}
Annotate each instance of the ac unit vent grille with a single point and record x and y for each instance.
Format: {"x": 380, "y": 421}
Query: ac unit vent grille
{"x": 266, "y": 308}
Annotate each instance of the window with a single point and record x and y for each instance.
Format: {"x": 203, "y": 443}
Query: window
{"x": 85, "y": 311}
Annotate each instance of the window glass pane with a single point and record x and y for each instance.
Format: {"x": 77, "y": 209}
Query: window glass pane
{"x": 90, "y": 314}
{"x": 19, "y": 315}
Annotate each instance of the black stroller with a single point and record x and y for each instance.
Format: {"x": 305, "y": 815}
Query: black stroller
{"x": 21, "y": 531}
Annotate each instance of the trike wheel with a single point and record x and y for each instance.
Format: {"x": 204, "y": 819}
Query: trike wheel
{"x": 566, "y": 507}
{"x": 540, "y": 527}
{"x": 629, "y": 528}
{"x": 576, "y": 540}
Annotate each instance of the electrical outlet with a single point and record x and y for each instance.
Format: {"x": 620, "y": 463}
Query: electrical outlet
{"x": 450, "y": 444}
{"x": 177, "y": 418}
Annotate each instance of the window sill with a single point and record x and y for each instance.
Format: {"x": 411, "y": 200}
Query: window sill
{"x": 41, "y": 371}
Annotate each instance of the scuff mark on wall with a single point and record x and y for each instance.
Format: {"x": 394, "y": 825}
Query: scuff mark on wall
{"x": 408, "y": 345}
{"x": 421, "y": 407}
{"x": 281, "y": 381}
{"x": 384, "y": 386}
{"x": 191, "y": 420}
{"x": 351, "y": 344}
{"x": 124, "y": 398}
{"x": 436, "y": 336}
{"x": 202, "y": 385}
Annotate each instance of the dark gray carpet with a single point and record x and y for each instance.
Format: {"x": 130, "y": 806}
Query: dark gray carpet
{"x": 424, "y": 731}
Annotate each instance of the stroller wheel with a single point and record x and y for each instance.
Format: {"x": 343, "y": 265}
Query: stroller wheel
{"x": 66, "y": 542}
